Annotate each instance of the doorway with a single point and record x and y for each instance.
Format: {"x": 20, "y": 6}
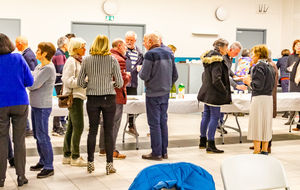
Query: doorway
{"x": 249, "y": 38}
{"x": 89, "y": 31}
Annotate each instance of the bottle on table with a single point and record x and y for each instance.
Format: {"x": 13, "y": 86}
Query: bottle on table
{"x": 181, "y": 91}
{"x": 173, "y": 92}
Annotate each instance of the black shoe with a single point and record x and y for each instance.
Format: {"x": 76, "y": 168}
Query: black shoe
{"x": 37, "y": 167}
{"x": 12, "y": 162}
{"x": 59, "y": 132}
{"x": 64, "y": 126}
{"x": 203, "y": 142}
{"x": 45, "y": 173}
{"x": 2, "y": 182}
{"x": 211, "y": 148}
{"x": 165, "y": 156}
{"x": 22, "y": 180}
{"x": 150, "y": 157}
{"x": 264, "y": 153}
{"x": 286, "y": 114}
{"x": 29, "y": 133}
{"x": 219, "y": 130}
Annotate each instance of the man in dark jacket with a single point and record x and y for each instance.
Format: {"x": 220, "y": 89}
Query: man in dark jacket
{"x": 159, "y": 73}
{"x": 29, "y": 56}
{"x": 233, "y": 51}
{"x": 59, "y": 59}
{"x": 134, "y": 58}
{"x": 118, "y": 51}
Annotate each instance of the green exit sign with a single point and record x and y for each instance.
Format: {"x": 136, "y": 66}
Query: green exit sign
{"x": 110, "y": 18}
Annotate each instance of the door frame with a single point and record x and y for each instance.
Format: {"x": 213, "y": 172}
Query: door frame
{"x": 109, "y": 27}
{"x": 253, "y": 29}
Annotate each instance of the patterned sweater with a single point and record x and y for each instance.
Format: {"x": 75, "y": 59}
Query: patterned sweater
{"x": 100, "y": 71}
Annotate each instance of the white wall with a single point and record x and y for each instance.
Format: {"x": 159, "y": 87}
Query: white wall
{"x": 45, "y": 20}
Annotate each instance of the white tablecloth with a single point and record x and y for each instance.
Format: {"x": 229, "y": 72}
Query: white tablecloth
{"x": 240, "y": 103}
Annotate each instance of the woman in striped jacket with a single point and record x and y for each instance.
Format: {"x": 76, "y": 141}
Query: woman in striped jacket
{"x": 96, "y": 74}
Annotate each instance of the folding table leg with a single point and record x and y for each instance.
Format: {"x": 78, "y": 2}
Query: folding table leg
{"x": 291, "y": 123}
{"x": 124, "y": 131}
{"x": 134, "y": 126}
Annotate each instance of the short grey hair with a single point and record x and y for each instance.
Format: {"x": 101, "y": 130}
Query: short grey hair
{"x": 131, "y": 33}
{"x": 61, "y": 41}
{"x": 220, "y": 43}
{"x": 269, "y": 54}
{"x": 236, "y": 45}
{"x": 246, "y": 53}
{"x": 153, "y": 36}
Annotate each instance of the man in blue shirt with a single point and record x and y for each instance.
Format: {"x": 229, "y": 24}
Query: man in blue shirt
{"x": 29, "y": 56}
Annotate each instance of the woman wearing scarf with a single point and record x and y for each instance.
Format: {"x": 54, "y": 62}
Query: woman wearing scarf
{"x": 75, "y": 119}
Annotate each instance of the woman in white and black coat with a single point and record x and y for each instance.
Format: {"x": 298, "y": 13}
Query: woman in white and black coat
{"x": 214, "y": 92}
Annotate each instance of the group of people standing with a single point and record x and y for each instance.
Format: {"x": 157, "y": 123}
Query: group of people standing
{"x": 216, "y": 91}
{"x": 104, "y": 78}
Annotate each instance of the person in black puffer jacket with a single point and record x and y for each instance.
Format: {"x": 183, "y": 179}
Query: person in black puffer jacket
{"x": 214, "y": 92}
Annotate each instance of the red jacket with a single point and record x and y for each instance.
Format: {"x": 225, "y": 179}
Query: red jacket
{"x": 121, "y": 93}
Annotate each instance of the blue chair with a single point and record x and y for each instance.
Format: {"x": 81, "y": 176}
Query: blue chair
{"x": 181, "y": 175}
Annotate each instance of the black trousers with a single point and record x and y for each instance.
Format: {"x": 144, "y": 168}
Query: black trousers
{"x": 18, "y": 117}
{"x": 95, "y": 105}
{"x": 131, "y": 91}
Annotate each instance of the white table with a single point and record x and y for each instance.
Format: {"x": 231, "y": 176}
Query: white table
{"x": 240, "y": 104}
{"x": 285, "y": 102}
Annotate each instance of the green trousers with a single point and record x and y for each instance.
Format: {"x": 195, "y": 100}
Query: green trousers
{"x": 74, "y": 129}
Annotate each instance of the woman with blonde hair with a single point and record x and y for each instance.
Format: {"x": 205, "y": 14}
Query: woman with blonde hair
{"x": 261, "y": 110}
{"x": 97, "y": 74}
{"x": 75, "y": 119}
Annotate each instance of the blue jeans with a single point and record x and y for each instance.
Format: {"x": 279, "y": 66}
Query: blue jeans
{"x": 222, "y": 118}
{"x": 210, "y": 121}
{"x": 40, "y": 119}
{"x": 157, "y": 120}
{"x": 285, "y": 85}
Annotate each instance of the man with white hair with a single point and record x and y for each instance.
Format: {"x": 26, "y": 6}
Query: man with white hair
{"x": 59, "y": 59}
{"x": 159, "y": 73}
{"x": 134, "y": 57}
{"x": 233, "y": 51}
{"x": 29, "y": 56}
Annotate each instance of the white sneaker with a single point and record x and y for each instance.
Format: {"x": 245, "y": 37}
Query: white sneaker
{"x": 78, "y": 162}
{"x": 66, "y": 160}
